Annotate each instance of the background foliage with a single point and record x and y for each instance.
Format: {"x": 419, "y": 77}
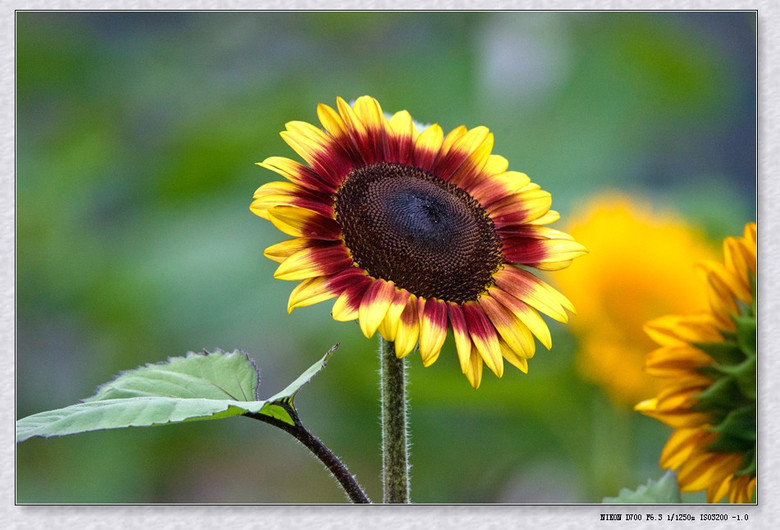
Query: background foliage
{"x": 136, "y": 139}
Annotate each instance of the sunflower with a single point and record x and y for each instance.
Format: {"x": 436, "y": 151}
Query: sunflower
{"x": 415, "y": 233}
{"x": 641, "y": 265}
{"x": 709, "y": 363}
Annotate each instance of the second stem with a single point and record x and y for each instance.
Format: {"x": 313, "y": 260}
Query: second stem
{"x": 395, "y": 448}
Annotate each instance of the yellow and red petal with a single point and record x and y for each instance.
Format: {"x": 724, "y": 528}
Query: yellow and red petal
{"x": 471, "y": 170}
{"x": 461, "y": 335}
{"x": 298, "y": 173}
{"x": 300, "y": 222}
{"x": 374, "y": 305}
{"x": 331, "y": 121}
{"x": 484, "y": 337}
{"x": 318, "y": 289}
{"x": 529, "y": 289}
{"x": 275, "y": 194}
{"x": 523, "y": 207}
{"x": 315, "y": 261}
{"x": 463, "y": 154}
{"x": 284, "y": 249}
{"x": 427, "y": 146}
{"x": 500, "y": 190}
{"x": 389, "y": 326}
{"x": 403, "y": 136}
{"x": 526, "y": 314}
{"x": 543, "y": 254}
{"x": 408, "y": 330}
{"x": 511, "y": 329}
{"x": 433, "y": 328}
{"x": 310, "y": 291}
{"x": 309, "y": 148}
{"x": 347, "y": 305}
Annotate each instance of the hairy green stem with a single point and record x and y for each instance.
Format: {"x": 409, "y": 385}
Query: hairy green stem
{"x": 318, "y": 449}
{"x": 395, "y": 448}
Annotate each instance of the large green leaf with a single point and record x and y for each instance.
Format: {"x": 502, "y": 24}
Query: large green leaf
{"x": 200, "y": 386}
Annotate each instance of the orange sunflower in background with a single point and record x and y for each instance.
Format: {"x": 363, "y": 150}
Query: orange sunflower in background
{"x": 641, "y": 265}
{"x": 708, "y": 363}
{"x": 415, "y": 233}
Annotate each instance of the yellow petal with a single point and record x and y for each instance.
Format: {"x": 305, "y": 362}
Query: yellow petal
{"x": 331, "y": 120}
{"x": 550, "y": 217}
{"x": 474, "y": 373}
{"x": 519, "y": 361}
{"x": 496, "y": 164}
{"x": 291, "y": 220}
{"x": 370, "y": 112}
{"x": 283, "y": 250}
{"x": 308, "y": 131}
{"x": 559, "y": 254}
{"x": 401, "y": 124}
{"x": 351, "y": 119}
{"x": 270, "y": 195}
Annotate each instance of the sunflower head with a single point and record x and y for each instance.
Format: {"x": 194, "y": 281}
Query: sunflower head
{"x": 641, "y": 265}
{"x": 415, "y": 233}
{"x": 708, "y": 363}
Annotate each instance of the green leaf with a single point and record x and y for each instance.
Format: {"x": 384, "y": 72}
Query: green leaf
{"x": 200, "y": 386}
{"x": 663, "y": 491}
{"x": 218, "y": 375}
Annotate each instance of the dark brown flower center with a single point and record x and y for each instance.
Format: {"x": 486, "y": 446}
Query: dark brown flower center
{"x": 426, "y": 235}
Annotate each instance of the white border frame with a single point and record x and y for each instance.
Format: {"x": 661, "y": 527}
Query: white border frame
{"x": 423, "y": 517}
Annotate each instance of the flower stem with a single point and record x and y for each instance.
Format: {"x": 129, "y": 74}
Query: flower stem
{"x": 395, "y": 464}
{"x": 318, "y": 449}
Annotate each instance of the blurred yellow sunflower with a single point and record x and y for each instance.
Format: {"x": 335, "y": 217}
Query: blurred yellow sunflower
{"x": 415, "y": 233}
{"x": 708, "y": 363}
{"x": 641, "y": 265}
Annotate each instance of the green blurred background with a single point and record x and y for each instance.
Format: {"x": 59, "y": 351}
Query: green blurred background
{"x": 137, "y": 135}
